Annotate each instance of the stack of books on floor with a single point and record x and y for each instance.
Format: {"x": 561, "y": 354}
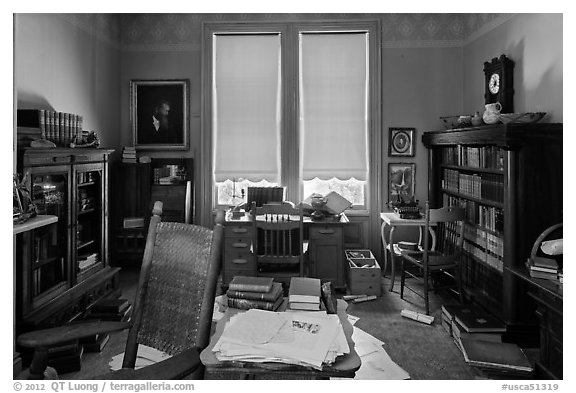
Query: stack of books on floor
{"x": 129, "y": 155}
{"x": 297, "y": 337}
{"x": 111, "y": 309}
{"x": 254, "y": 292}
{"x": 478, "y": 335}
{"x": 542, "y": 267}
{"x": 304, "y": 293}
{"x": 66, "y": 358}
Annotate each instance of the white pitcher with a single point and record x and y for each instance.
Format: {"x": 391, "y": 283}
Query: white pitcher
{"x": 492, "y": 113}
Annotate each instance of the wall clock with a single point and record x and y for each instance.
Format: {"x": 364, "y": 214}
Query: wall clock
{"x": 499, "y": 82}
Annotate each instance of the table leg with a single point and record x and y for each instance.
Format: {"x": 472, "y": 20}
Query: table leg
{"x": 392, "y": 258}
{"x": 385, "y": 245}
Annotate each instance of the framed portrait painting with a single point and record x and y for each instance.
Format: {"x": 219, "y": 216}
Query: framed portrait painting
{"x": 401, "y": 183}
{"x": 401, "y": 142}
{"x": 159, "y": 114}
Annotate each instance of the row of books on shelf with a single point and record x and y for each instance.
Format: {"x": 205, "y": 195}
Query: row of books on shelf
{"x": 59, "y": 127}
{"x": 488, "y": 217}
{"x": 478, "y": 335}
{"x": 87, "y": 260}
{"x": 483, "y": 255}
{"x": 487, "y": 241}
{"x": 168, "y": 174}
{"x": 545, "y": 268}
{"x": 486, "y": 186}
{"x": 488, "y": 157}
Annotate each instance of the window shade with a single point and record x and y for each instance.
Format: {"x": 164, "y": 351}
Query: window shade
{"x": 246, "y": 107}
{"x": 333, "y": 105}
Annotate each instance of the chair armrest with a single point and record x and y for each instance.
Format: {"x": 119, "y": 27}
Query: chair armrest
{"x": 54, "y": 336}
{"x": 175, "y": 367}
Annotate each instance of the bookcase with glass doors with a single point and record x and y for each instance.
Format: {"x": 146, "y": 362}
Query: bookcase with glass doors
{"x": 64, "y": 268}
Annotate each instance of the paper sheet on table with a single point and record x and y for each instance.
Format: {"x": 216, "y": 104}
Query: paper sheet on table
{"x": 256, "y": 326}
{"x": 352, "y": 319}
{"x": 145, "y": 357}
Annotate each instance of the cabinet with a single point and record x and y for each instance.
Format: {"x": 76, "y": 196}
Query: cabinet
{"x": 138, "y": 186}
{"x": 326, "y": 254}
{"x": 63, "y": 268}
{"x": 508, "y": 177}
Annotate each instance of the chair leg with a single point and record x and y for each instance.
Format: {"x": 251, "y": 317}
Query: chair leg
{"x": 402, "y": 278}
{"x": 426, "y": 291}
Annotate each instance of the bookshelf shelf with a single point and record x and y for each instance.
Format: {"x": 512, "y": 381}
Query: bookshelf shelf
{"x": 45, "y": 261}
{"x": 487, "y": 202}
{"x": 85, "y": 244}
{"x": 82, "y": 212}
{"x": 498, "y": 172}
{"x": 86, "y": 184}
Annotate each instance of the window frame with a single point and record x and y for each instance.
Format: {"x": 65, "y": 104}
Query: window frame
{"x": 290, "y": 139}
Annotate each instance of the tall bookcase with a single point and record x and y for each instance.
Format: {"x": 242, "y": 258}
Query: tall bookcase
{"x": 509, "y": 179}
{"x": 64, "y": 268}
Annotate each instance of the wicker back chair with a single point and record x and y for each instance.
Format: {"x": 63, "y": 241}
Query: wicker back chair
{"x": 173, "y": 305}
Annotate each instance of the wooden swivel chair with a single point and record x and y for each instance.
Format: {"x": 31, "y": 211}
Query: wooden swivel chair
{"x": 173, "y": 305}
{"x": 449, "y": 228}
{"x": 278, "y": 244}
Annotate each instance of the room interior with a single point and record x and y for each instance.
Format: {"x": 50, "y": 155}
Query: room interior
{"x": 429, "y": 66}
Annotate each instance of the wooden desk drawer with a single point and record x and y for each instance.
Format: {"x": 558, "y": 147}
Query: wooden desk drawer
{"x": 236, "y": 244}
{"x": 239, "y": 260}
{"x": 238, "y": 231}
{"x": 325, "y": 232}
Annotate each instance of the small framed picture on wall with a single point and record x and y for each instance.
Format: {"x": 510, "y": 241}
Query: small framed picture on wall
{"x": 401, "y": 181}
{"x": 401, "y": 142}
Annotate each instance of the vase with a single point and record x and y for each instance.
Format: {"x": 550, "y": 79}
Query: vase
{"x": 492, "y": 113}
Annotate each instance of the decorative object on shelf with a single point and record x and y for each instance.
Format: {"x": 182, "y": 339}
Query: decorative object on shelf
{"x": 476, "y": 120}
{"x": 450, "y": 122}
{"x": 401, "y": 142}
{"x": 23, "y": 207}
{"x": 159, "y": 114}
{"x": 521, "y": 117}
{"x": 88, "y": 139}
{"x": 464, "y": 121}
{"x": 492, "y": 113}
{"x": 318, "y": 203}
{"x": 401, "y": 181}
{"x": 499, "y": 82}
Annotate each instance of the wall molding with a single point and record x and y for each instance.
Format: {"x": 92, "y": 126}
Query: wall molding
{"x": 422, "y": 44}
{"x": 89, "y": 24}
{"x": 191, "y": 47}
{"x": 488, "y": 27}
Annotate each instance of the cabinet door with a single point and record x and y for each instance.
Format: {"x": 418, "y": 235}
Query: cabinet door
{"x": 89, "y": 220}
{"x": 326, "y": 254}
{"x": 46, "y": 259}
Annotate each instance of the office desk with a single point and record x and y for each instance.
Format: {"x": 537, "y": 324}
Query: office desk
{"x": 345, "y": 366}
{"x": 393, "y": 220}
{"x": 324, "y": 259}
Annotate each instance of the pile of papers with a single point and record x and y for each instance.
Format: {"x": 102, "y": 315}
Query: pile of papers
{"x": 302, "y": 338}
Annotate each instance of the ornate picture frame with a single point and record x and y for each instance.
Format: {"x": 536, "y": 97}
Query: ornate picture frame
{"x": 159, "y": 114}
{"x": 401, "y": 142}
{"x": 401, "y": 180}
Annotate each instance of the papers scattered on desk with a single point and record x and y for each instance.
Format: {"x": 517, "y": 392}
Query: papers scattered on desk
{"x": 302, "y": 338}
{"x": 146, "y": 356}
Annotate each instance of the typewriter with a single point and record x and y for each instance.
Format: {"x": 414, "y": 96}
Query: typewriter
{"x": 406, "y": 210}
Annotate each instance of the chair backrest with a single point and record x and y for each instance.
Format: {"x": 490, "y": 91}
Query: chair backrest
{"x": 278, "y": 234}
{"x": 177, "y": 285}
{"x": 448, "y": 226}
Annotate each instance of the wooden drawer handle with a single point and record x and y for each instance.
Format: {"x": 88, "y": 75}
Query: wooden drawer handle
{"x": 239, "y": 245}
{"x": 239, "y": 261}
{"x": 61, "y": 159}
{"x": 326, "y": 231}
{"x": 239, "y": 230}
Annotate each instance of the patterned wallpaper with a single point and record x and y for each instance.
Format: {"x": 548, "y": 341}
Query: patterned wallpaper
{"x": 411, "y": 29}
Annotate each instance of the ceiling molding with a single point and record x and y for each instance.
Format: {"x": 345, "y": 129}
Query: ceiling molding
{"x": 487, "y": 27}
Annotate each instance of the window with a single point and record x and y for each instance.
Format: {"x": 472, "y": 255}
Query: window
{"x": 292, "y": 105}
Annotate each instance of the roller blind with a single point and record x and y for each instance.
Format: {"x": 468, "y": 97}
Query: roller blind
{"x": 333, "y": 105}
{"x": 246, "y": 106}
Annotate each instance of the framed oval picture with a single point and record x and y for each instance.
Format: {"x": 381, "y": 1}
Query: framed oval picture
{"x": 401, "y": 142}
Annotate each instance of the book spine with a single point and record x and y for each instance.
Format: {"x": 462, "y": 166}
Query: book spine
{"x": 268, "y": 297}
{"x": 246, "y": 304}
{"x": 42, "y": 122}
{"x": 249, "y": 288}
